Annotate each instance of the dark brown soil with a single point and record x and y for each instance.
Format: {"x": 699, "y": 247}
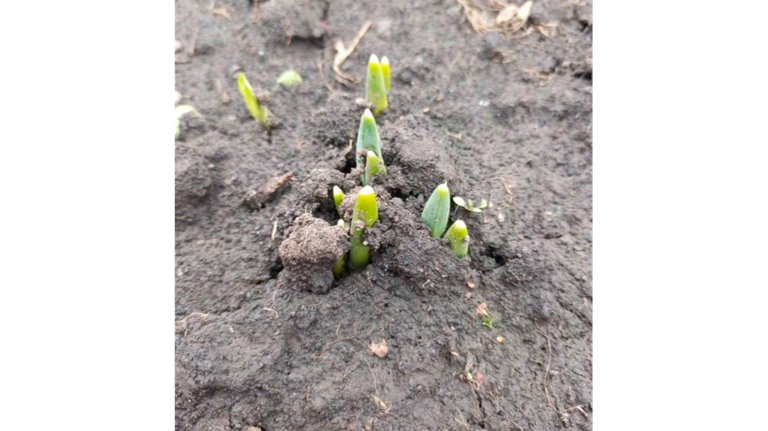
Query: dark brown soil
{"x": 265, "y": 338}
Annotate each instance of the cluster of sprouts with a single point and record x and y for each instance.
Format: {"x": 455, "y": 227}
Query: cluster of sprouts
{"x": 369, "y": 160}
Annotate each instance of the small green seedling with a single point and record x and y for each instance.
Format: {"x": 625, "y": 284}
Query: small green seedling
{"x": 289, "y": 78}
{"x": 338, "y": 268}
{"x": 338, "y": 196}
{"x": 469, "y": 205}
{"x": 485, "y": 316}
{"x": 487, "y": 322}
{"x": 365, "y": 215}
{"x": 373, "y": 166}
{"x": 368, "y": 140}
{"x": 182, "y": 110}
{"x": 459, "y": 238}
{"x": 436, "y": 211}
{"x": 376, "y": 89}
{"x": 385, "y": 71}
{"x": 251, "y": 102}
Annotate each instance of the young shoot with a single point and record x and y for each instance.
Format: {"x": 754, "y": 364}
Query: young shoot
{"x": 376, "y": 89}
{"x": 385, "y": 72}
{"x": 436, "y": 211}
{"x": 338, "y": 268}
{"x": 373, "y": 166}
{"x": 459, "y": 239}
{"x": 365, "y": 215}
{"x": 182, "y": 110}
{"x": 469, "y": 205}
{"x": 249, "y": 96}
{"x": 289, "y": 78}
{"x": 338, "y": 196}
{"x": 368, "y": 140}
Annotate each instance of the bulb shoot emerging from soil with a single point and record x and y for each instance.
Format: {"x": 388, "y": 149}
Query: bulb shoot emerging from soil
{"x": 251, "y": 102}
{"x": 457, "y": 235}
{"x": 373, "y": 166}
{"x": 436, "y": 211}
{"x": 338, "y": 196}
{"x": 376, "y": 89}
{"x": 385, "y": 73}
{"x": 182, "y": 110}
{"x": 365, "y": 215}
{"x": 338, "y": 268}
{"x": 368, "y": 140}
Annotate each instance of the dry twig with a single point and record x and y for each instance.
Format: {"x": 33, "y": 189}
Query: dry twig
{"x": 342, "y": 53}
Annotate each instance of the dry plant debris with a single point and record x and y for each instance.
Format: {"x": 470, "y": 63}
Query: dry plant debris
{"x": 343, "y": 52}
{"x": 508, "y": 18}
{"x": 379, "y": 349}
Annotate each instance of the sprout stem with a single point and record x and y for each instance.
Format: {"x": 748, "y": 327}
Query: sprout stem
{"x": 365, "y": 215}
{"x": 338, "y": 268}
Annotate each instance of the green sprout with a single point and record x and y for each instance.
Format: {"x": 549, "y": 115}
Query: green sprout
{"x": 368, "y": 140}
{"x": 246, "y": 90}
{"x": 457, "y": 235}
{"x": 487, "y": 322}
{"x": 485, "y": 316}
{"x": 375, "y": 87}
{"x": 338, "y": 196}
{"x": 182, "y": 110}
{"x": 469, "y": 205}
{"x": 365, "y": 215}
{"x": 289, "y": 78}
{"x": 436, "y": 211}
{"x": 373, "y": 166}
{"x": 385, "y": 71}
{"x": 338, "y": 268}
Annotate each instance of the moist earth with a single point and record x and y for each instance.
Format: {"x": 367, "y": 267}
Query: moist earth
{"x": 266, "y": 339}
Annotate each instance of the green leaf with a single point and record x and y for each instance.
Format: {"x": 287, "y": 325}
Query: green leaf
{"x": 373, "y": 166}
{"x": 376, "y": 90}
{"x": 338, "y": 196}
{"x": 367, "y": 139}
{"x": 289, "y": 78}
{"x": 385, "y": 72}
{"x": 483, "y": 204}
{"x": 436, "y": 211}
{"x": 459, "y": 201}
{"x": 251, "y": 102}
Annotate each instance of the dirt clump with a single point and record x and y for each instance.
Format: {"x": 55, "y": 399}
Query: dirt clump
{"x": 309, "y": 252}
{"x": 193, "y": 181}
